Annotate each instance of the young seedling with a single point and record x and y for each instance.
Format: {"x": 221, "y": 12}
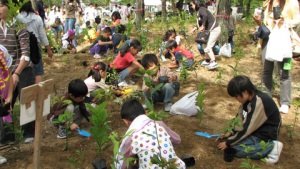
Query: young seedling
{"x": 200, "y": 102}
{"x": 220, "y": 75}
{"x": 64, "y": 119}
{"x": 291, "y": 128}
{"x": 116, "y": 145}
{"x": 101, "y": 128}
{"x": 149, "y": 103}
{"x": 76, "y": 161}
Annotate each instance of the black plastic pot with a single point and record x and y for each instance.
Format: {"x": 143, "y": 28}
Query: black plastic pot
{"x": 229, "y": 154}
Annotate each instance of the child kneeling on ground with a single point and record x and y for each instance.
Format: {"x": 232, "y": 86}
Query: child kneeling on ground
{"x": 146, "y": 138}
{"x": 179, "y": 55}
{"x": 101, "y": 45}
{"x": 77, "y": 90}
{"x": 161, "y": 75}
{"x": 260, "y": 121}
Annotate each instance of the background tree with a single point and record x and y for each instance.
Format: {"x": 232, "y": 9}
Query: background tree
{"x": 223, "y": 11}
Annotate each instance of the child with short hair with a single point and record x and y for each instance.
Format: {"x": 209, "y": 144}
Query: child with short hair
{"x": 102, "y": 44}
{"x": 178, "y": 53}
{"x": 259, "y": 120}
{"x": 163, "y": 52}
{"x": 67, "y": 42}
{"x": 77, "y": 90}
{"x": 146, "y": 138}
{"x": 119, "y": 38}
{"x": 167, "y": 92}
{"x": 91, "y": 33}
{"x": 125, "y": 63}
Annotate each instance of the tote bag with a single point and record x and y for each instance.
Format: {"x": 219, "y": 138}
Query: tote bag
{"x": 186, "y": 105}
{"x": 279, "y": 45}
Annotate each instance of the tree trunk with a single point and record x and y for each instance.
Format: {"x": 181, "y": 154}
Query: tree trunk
{"x": 223, "y": 11}
{"x": 139, "y": 13}
{"x": 164, "y": 11}
{"x": 248, "y": 8}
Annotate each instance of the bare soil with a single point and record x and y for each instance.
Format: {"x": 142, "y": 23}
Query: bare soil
{"x": 219, "y": 108}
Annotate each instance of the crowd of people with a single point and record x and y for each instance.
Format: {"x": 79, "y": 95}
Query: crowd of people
{"x": 258, "y": 114}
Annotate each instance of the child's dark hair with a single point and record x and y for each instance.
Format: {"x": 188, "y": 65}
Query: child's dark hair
{"x": 94, "y": 72}
{"x": 121, "y": 29}
{"x": 148, "y": 59}
{"x": 116, "y": 14}
{"x": 238, "y": 85}
{"x": 26, "y": 7}
{"x": 88, "y": 24}
{"x": 197, "y": 4}
{"x": 77, "y": 88}
{"x": 182, "y": 33}
{"x": 107, "y": 30}
{"x": 168, "y": 34}
{"x": 136, "y": 44}
{"x": 132, "y": 109}
{"x": 171, "y": 44}
{"x": 97, "y": 20}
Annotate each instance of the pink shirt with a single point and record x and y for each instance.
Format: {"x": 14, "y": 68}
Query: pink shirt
{"x": 122, "y": 62}
{"x": 185, "y": 52}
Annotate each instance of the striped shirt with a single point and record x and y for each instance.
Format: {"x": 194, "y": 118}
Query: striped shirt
{"x": 16, "y": 43}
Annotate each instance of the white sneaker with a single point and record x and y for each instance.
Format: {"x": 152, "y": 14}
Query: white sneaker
{"x": 274, "y": 155}
{"x": 212, "y": 65}
{"x": 167, "y": 106}
{"x": 205, "y": 63}
{"x": 123, "y": 84}
{"x": 97, "y": 56}
{"x": 29, "y": 140}
{"x": 284, "y": 109}
{"x": 130, "y": 82}
{"x": 2, "y": 160}
{"x": 163, "y": 58}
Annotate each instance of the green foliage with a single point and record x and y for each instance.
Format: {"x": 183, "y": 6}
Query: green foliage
{"x": 76, "y": 161}
{"x": 183, "y": 70}
{"x": 116, "y": 145}
{"x": 235, "y": 122}
{"x": 200, "y": 102}
{"x": 100, "y": 129}
{"x": 220, "y": 75}
{"x": 152, "y": 88}
{"x": 64, "y": 119}
{"x": 248, "y": 165}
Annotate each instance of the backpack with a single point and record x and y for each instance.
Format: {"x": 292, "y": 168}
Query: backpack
{"x": 35, "y": 55}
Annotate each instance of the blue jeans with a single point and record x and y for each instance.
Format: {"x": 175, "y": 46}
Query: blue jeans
{"x": 216, "y": 49}
{"x": 188, "y": 63}
{"x": 165, "y": 95}
{"x": 253, "y": 148}
{"x": 230, "y": 40}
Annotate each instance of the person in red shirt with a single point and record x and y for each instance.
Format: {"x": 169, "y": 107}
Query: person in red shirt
{"x": 179, "y": 55}
{"x": 125, "y": 63}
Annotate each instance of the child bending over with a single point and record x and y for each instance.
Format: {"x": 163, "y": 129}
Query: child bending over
{"x": 161, "y": 75}
{"x": 259, "y": 119}
{"x": 67, "y": 42}
{"x": 163, "y": 52}
{"x": 125, "y": 63}
{"x": 77, "y": 90}
{"x": 102, "y": 44}
{"x": 91, "y": 33}
{"x": 147, "y": 138}
{"x": 96, "y": 80}
{"x": 178, "y": 53}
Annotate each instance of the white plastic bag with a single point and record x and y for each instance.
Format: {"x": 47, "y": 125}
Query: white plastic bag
{"x": 186, "y": 105}
{"x": 279, "y": 45}
{"x": 225, "y": 50}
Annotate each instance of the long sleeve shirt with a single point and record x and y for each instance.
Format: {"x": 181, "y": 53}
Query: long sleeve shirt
{"x": 260, "y": 117}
